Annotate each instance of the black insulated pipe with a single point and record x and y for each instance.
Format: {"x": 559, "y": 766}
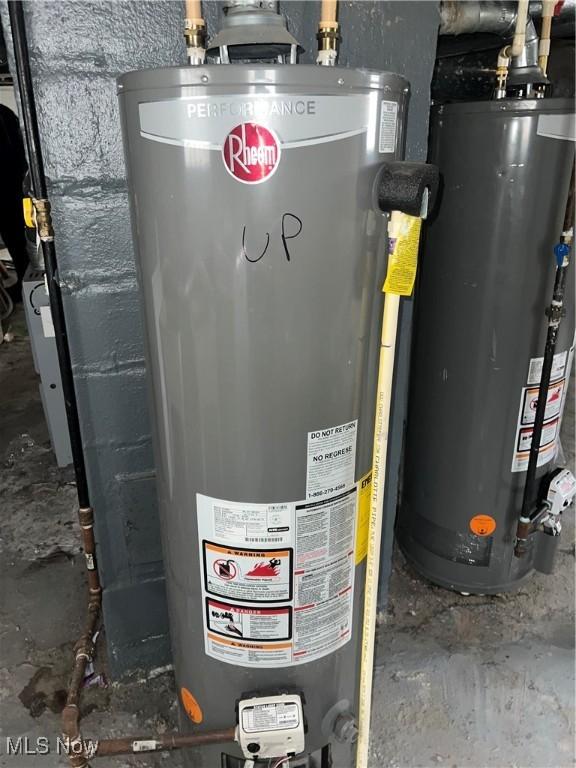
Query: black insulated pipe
{"x": 555, "y": 313}
{"x": 28, "y": 110}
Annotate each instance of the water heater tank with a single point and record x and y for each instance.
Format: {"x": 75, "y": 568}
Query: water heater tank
{"x": 480, "y": 328}
{"x": 260, "y": 257}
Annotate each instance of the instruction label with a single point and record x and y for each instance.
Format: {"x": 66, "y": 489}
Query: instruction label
{"x": 324, "y": 575}
{"x": 277, "y": 716}
{"x": 555, "y": 400}
{"x": 287, "y": 604}
{"x": 331, "y": 460}
{"x": 388, "y": 127}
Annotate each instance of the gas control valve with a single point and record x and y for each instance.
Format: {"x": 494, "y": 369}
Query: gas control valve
{"x": 271, "y": 726}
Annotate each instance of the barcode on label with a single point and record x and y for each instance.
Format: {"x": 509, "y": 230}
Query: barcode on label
{"x": 264, "y": 538}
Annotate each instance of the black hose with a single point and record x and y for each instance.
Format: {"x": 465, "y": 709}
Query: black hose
{"x": 38, "y": 179}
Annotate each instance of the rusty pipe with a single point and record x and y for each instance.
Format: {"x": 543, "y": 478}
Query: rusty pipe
{"x": 81, "y": 752}
{"x": 162, "y": 743}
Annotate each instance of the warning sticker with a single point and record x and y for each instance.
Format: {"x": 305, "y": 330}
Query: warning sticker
{"x": 553, "y": 402}
{"x": 248, "y": 574}
{"x": 363, "y": 517}
{"x": 403, "y": 257}
{"x": 248, "y": 654}
{"x": 282, "y": 606}
{"x": 331, "y": 460}
{"x": 549, "y": 434}
{"x": 247, "y": 622}
{"x": 388, "y": 126}
{"x": 557, "y": 372}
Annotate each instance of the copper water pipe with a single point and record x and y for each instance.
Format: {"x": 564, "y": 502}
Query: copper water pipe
{"x": 165, "y": 742}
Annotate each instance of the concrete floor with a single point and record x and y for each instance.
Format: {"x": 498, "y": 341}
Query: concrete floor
{"x": 460, "y": 681}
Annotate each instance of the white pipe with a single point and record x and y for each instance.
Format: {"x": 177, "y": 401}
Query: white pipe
{"x": 519, "y": 41}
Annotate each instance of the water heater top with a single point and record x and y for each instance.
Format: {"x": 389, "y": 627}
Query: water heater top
{"x": 242, "y": 76}
{"x": 504, "y": 107}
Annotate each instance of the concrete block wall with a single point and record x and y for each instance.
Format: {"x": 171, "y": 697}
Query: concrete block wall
{"x": 77, "y": 49}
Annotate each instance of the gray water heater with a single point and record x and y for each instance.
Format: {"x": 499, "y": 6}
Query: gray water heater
{"x": 260, "y": 257}
{"x": 486, "y": 278}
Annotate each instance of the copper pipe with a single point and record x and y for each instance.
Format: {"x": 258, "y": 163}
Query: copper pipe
{"x": 161, "y": 743}
{"x": 84, "y": 650}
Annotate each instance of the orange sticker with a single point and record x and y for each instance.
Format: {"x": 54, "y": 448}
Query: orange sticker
{"x": 191, "y": 706}
{"x": 482, "y": 525}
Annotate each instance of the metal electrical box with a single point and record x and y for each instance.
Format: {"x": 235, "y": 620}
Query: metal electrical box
{"x": 260, "y": 256}
{"x": 480, "y": 326}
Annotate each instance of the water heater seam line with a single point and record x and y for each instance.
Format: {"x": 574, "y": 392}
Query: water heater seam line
{"x": 193, "y": 144}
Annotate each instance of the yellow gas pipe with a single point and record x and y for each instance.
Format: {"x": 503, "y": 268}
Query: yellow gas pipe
{"x": 404, "y": 230}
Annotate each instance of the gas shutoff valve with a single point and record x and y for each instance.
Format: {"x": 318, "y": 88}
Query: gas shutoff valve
{"x": 271, "y": 726}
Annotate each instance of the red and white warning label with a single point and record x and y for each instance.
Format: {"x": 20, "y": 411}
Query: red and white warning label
{"x": 555, "y": 400}
{"x": 248, "y": 623}
{"x": 278, "y": 579}
{"x": 248, "y": 574}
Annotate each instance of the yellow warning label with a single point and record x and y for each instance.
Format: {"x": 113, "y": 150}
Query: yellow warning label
{"x": 363, "y": 517}
{"x": 403, "y": 259}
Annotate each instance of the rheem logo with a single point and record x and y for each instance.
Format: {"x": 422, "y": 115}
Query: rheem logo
{"x": 251, "y": 153}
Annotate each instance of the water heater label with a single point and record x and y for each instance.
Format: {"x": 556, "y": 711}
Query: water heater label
{"x": 558, "y": 368}
{"x": 555, "y": 401}
{"x": 242, "y": 574}
{"x": 257, "y": 624}
{"x": 283, "y": 605}
{"x": 331, "y": 460}
{"x": 388, "y": 127}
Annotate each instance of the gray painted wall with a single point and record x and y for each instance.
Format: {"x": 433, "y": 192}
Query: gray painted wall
{"x": 77, "y": 49}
